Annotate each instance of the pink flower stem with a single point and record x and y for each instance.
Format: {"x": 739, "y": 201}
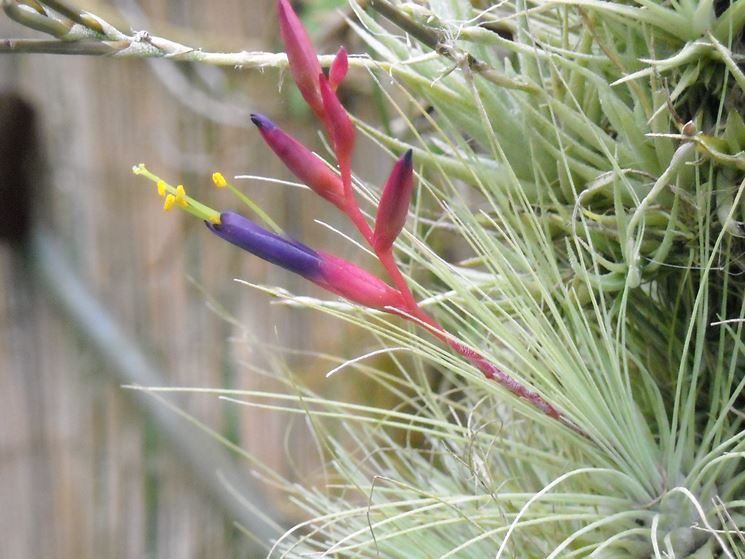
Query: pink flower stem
{"x": 394, "y": 272}
{"x": 351, "y": 208}
{"x": 489, "y": 369}
{"x": 413, "y": 311}
{"x": 320, "y": 94}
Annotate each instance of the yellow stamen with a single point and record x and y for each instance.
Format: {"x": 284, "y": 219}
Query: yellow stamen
{"x": 181, "y": 196}
{"x": 177, "y": 196}
{"x": 219, "y": 180}
{"x": 169, "y": 202}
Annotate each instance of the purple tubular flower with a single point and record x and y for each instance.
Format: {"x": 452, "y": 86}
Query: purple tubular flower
{"x": 290, "y": 255}
{"x": 327, "y": 271}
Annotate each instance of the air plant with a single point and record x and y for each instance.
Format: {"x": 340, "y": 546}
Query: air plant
{"x": 602, "y": 283}
{"x": 590, "y": 155}
{"x": 602, "y": 290}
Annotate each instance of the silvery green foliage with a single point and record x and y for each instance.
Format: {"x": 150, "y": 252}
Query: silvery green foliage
{"x": 588, "y": 157}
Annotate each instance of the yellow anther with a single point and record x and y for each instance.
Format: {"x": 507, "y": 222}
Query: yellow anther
{"x": 219, "y": 180}
{"x": 169, "y": 202}
{"x": 161, "y": 188}
{"x": 216, "y": 219}
{"x": 181, "y": 196}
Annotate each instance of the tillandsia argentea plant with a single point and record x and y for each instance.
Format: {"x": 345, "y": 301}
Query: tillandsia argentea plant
{"x": 589, "y": 156}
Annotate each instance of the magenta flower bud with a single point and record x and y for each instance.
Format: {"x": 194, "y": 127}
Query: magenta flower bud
{"x": 327, "y": 271}
{"x": 301, "y": 56}
{"x": 394, "y": 203}
{"x": 339, "y": 69}
{"x": 339, "y": 124}
{"x": 356, "y": 284}
{"x": 303, "y": 163}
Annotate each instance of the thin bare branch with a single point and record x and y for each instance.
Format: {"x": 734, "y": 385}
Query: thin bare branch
{"x": 88, "y": 48}
{"x": 80, "y": 39}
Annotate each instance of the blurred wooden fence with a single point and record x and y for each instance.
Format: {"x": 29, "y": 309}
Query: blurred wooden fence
{"x": 82, "y": 472}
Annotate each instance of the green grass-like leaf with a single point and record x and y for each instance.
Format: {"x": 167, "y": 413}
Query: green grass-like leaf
{"x": 585, "y": 177}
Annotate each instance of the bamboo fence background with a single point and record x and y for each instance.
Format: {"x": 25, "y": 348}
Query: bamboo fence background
{"x": 82, "y": 472}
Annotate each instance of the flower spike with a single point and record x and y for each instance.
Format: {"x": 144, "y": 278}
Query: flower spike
{"x": 339, "y": 68}
{"x": 306, "y": 166}
{"x": 327, "y": 271}
{"x": 301, "y": 56}
{"x": 394, "y": 203}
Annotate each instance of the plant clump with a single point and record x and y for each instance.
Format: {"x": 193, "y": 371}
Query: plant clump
{"x": 590, "y": 154}
{"x": 588, "y": 159}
